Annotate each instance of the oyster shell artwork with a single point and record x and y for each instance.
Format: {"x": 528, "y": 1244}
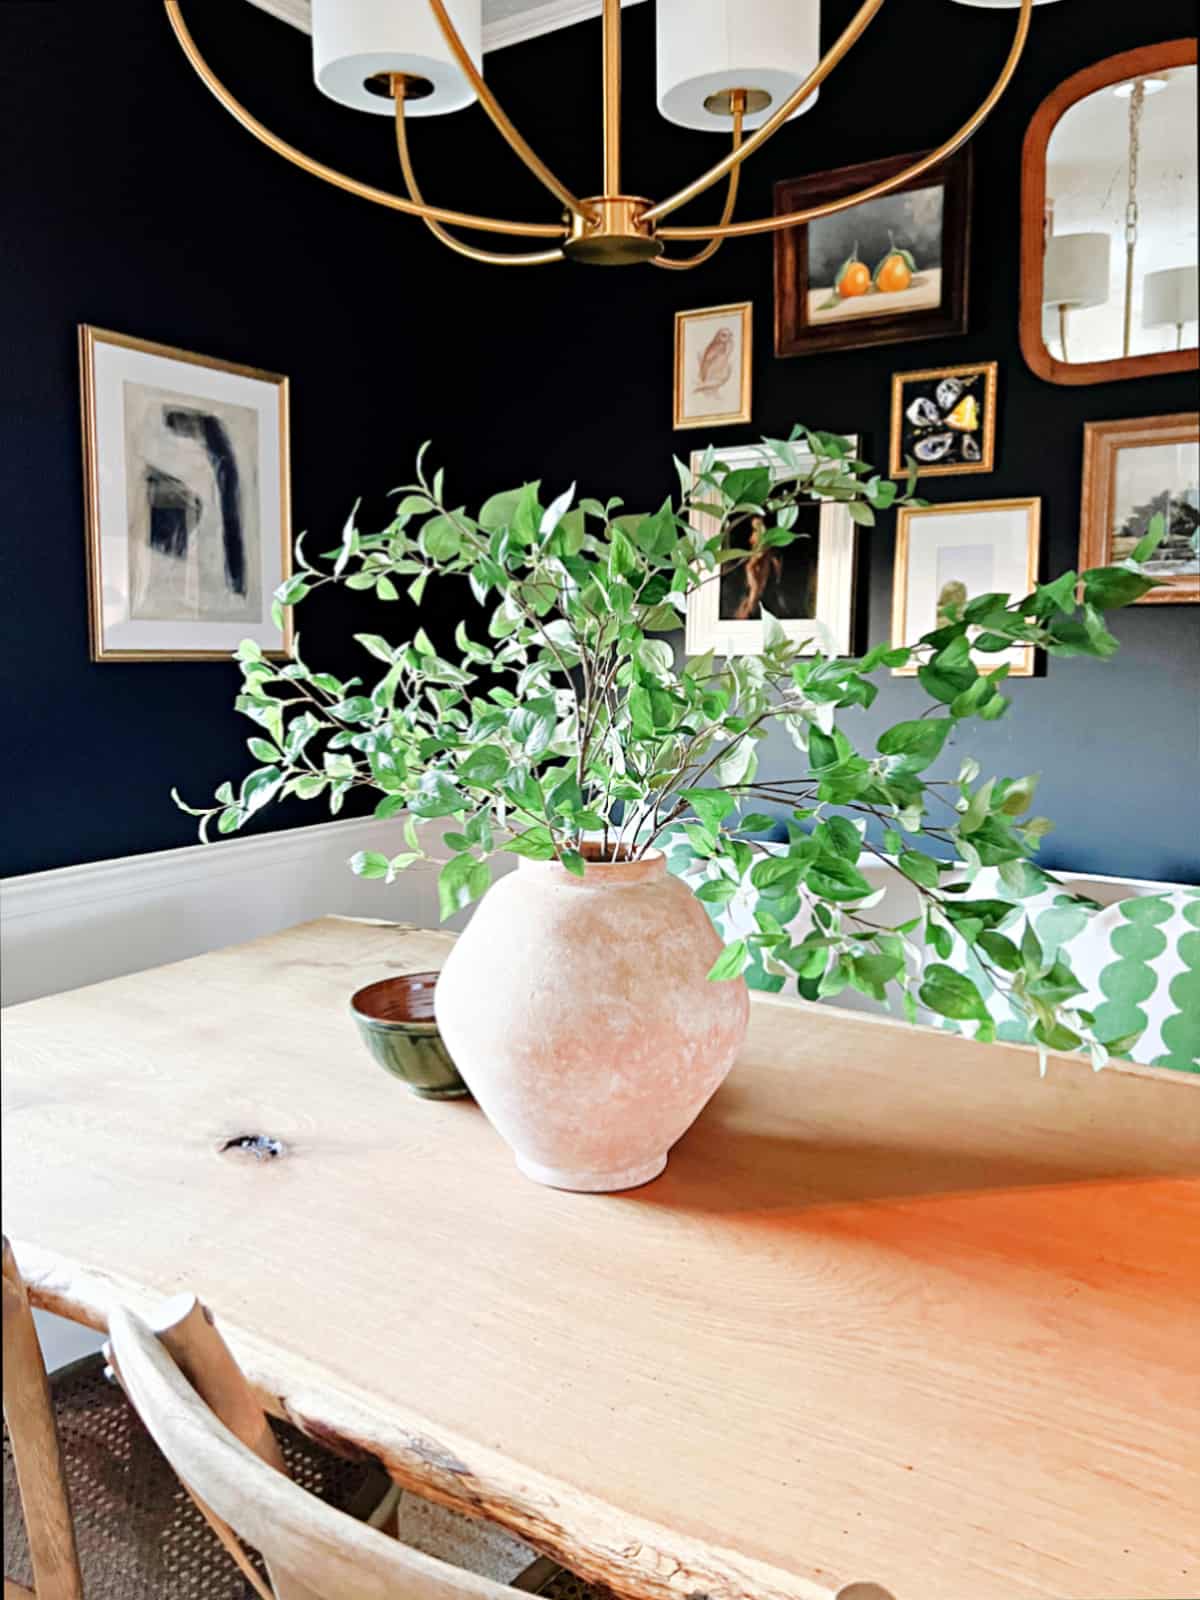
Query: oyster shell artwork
{"x": 922, "y": 413}
{"x": 948, "y": 392}
{"x": 970, "y": 448}
{"x": 934, "y": 447}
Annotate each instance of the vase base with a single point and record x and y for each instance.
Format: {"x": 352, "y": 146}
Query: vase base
{"x": 583, "y": 1182}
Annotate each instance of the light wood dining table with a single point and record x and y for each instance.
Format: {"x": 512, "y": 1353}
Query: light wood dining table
{"x": 898, "y": 1310}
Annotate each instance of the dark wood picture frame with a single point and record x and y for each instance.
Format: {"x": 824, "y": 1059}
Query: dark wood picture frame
{"x": 1102, "y": 444}
{"x": 1146, "y": 60}
{"x": 794, "y": 335}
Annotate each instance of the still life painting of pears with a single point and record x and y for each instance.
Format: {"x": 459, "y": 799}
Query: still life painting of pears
{"x": 877, "y": 259}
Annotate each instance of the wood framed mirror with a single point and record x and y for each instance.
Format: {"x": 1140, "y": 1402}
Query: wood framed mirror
{"x": 1108, "y": 220}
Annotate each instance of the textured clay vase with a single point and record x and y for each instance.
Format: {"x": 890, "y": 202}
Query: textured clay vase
{"x": 579, "y": 1013}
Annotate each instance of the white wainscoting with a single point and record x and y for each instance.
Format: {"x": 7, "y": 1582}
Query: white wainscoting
{"x": 78, "y": 925}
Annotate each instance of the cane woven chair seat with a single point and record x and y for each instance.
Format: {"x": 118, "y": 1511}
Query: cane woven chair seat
{"x": 141, "y": 1537}
{"x": 139, "y": 1534}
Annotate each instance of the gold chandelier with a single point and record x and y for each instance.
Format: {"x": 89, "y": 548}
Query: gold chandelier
{"x": 612, "y": 228}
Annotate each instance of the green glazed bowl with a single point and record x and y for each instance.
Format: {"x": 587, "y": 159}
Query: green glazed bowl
{"x": 395, "y": 1019}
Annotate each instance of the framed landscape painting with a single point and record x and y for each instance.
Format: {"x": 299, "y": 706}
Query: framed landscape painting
{"x": 808, "y": 585}
{"x": 188, "y": 501}
{"x": 1131, "y": 471}
{"x": 947, "y": 555}
{"x": 712, "y": 366}
{"x": 944, "y": 419}
{"x": 880, "y": 272}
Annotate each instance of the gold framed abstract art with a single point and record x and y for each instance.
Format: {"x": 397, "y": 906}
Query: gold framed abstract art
{"x": 948, "y": 555}
{"x": 187, "y": 486}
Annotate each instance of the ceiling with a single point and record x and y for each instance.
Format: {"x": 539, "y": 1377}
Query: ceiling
{"x": 504, "y": 21}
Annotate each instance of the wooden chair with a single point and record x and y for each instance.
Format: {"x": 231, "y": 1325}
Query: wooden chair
{"x": 91, "y": 1507}
{"x": 204, "y": 1417}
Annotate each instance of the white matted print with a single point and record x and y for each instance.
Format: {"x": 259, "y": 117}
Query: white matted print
{"x": 948, "y": 555}
{"x": 712, "y": 366}
{"x": 187, "y": 500}
{"x": 807, "y": 585}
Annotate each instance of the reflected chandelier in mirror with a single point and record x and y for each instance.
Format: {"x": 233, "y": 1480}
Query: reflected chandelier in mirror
{"x": 1108, "y": 220}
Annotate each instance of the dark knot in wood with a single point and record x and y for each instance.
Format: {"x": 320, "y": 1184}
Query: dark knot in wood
{"x": 259, "y": 1145}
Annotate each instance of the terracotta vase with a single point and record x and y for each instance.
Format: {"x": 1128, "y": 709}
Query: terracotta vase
{"x": 579, "y": 1013}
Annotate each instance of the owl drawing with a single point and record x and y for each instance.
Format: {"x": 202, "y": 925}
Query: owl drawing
{"x": 716, "y": 363}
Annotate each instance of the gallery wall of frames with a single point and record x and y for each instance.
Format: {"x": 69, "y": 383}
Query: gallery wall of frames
{"x": 341, "y": 336}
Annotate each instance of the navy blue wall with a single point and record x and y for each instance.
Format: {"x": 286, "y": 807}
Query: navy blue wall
{"x": 131, "y": 200}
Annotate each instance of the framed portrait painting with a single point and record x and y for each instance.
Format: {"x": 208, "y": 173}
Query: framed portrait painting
{"x": 712, "y": 366}
{"x": 188, "y": 501}
{"x": 948, "y": 555}
{"x": 880, "y": 272}
{"x": 944, "y": 419}
{"x": 1131, "y": 472}
{"x": 807, "y": 585}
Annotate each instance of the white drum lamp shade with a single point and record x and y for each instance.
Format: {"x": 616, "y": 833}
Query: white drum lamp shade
{"x": 708, "y": 47}
{"x": 355, "y": 41}
{"x": 1076, "y": 273}
{"x": 999, "y": 5}
{"x": 1171, "y": 298}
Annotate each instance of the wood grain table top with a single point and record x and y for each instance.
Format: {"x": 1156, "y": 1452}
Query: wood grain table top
{"x": 897, "y": 1311}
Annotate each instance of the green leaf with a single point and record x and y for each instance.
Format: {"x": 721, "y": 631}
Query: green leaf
{"x": 712, "y": 806}
{"x": 1155, "y": 533}
{"x": 731, "y": 963}
{"x": 923, "y": 739}
{"x": 369, "y": 864}
{"x": 755, "y": 822}
{"x": 919, "y": 867}
{"x": 437, "y": 797}
{"x": 1109, "y": 587}
{"x": 441, "y": 539}
{"x": 536, "y": 844}
{"x": 952, "y": 994}
{"x": 622, "y": 557}
{"x": 262, "y": 750}
{"x": 1001, "y": 950}
{"x": 486, "y": 765}
{"x": 574, "y": 862}
{"x": 460, "y": 881}
{"x": 376, "y": 646}
{"x": 717, "y": 891}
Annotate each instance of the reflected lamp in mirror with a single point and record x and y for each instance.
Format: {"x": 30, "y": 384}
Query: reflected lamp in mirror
{"x": 1076, "y": 277}
{"x": 1171, "y": 299}
{"x": 1108, "y": 205}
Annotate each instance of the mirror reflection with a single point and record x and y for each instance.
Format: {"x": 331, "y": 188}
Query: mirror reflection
{"x": 1120, "y": 225}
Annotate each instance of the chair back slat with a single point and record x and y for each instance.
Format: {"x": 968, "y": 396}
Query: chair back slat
{"x": 37, "y": 1453}
{"x": 313, "y": 1551}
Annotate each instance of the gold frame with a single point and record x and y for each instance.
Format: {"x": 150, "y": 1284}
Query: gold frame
{"x": 1102, "y": 444}
{"x": 89, "y": 338}
{"x": 722, "y": 419}
{"x": 611, "y": 228}
{"x": 1030, "y": 504}
{"x": 990, "y": 371}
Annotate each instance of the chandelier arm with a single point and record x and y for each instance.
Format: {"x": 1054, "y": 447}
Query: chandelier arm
{"x": 500, "y": 117}
{"x": 685, "y": 263}
{"x": 340, "y": 180}
{"x": 848, "y": 38}
{"x": 791, "y": 219}
{"x": 496, "y": 258}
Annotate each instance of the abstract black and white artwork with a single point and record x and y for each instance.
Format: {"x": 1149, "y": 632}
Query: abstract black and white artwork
{"x": 187, "y": 500}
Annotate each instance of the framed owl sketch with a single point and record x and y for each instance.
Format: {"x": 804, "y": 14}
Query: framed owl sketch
{"x": 187, "y": 484}
{"x": 807, "y": 585}
{"x": 712, "y": 366}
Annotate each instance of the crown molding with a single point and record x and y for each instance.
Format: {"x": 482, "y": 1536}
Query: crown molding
{"x": 531, "y": 24}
